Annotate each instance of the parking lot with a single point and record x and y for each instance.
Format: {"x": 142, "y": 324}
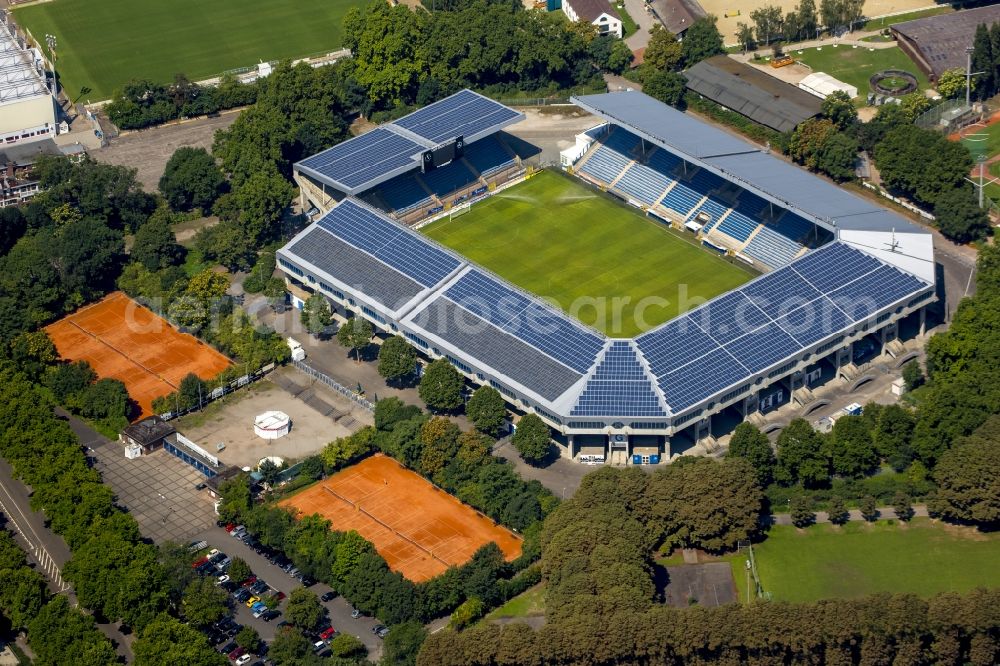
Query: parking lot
{"x": 338, "y": 610}
{"x": 158, "y": 490}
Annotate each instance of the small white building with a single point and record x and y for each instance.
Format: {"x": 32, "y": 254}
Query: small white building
{"x": 823, "y": 85}
{"x": 27, "y": 107}
{"x": 596, "y": 12}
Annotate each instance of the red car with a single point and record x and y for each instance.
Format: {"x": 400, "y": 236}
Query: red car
{"x": 237, "y": 653}
{"x": 198, "y": 563}
{"x": 249, "y": 581}
{"x": 328, "y": 634}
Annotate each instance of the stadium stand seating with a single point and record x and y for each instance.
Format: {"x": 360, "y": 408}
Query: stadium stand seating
{"x": 643, "y": 183}
{"x": 446, "y": 180}
{"x": 605, "y": 164}
{"x": 402, "y": 194}
{"x": 738, "y": 226}
{"x": 715, "y": 211}
{"x": 487, "y": 156}
{"x": 774, "y": 249}
{"x": 682, "y": 198}
{"x": 792, "y": 226}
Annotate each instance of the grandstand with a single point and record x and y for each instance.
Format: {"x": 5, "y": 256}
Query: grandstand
{"x": 385, "y": 167}
{"x": 844, "y": 276}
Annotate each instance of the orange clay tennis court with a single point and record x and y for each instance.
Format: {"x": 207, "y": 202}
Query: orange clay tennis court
{"x": 123, "y": 340}
{"x": 419, "y": 529}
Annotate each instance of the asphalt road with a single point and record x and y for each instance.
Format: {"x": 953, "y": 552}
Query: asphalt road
{"x": 338, "y": 609}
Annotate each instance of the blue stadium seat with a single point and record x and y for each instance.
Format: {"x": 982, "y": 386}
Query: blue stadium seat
{"x": 642, "y": 183}
{"x": 403, "y": 193}
{"x": 605, "y": 164}
{"x": 622, "y": 142}
{"x": 681, "y": 198}
{"x": 792, "y": 226}
{"x": 738, "y": 226}
{"x": 774, "y": 249}
{"x": 447, "y": 179}
{"x": 714, "y": 209}
{"x": 487, "y": 156}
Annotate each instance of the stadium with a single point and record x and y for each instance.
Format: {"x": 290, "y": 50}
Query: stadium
{"x": 832, "y": 279}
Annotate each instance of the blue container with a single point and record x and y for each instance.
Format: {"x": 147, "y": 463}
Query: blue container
{"x": 553, "y": 5}
{"x": 636, "y": 460}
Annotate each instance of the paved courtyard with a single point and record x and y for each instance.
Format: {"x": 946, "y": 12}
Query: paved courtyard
{"x": 158, "y": 490}
{"x": 318, "y": 417}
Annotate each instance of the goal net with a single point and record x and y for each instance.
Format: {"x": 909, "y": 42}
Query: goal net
{"x": 460, "y": 210}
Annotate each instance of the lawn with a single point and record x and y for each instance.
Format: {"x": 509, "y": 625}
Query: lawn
{"x": 855, "y": 65}
{"x": 529, "y": 603}
{"x": 587, "y": 252}
{"x": 886, "y": 21}
{"x": 104, "y": 43}
{"x": 923, "y": 558}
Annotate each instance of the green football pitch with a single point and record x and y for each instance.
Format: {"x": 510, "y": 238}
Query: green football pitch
{"x": 596, "y": 258}
{"x": 858, "y": 559}
{"x": 103, "y": 44}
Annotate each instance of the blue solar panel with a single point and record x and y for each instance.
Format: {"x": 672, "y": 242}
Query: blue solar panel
{"x": 463, "y": 114}
{"x": 619, "y": 387}
{"x": 729, "y": 317}
{"x": 543, "y": 327}
{"x": 355, "y": 162}
{"x": 383, "y": 239}
{"x": 763, "y": 348}
{"x": 675, "y": 343}
{"x": 873, "y": 292}
{"x": 814, "y": 321}
{"x": 780, "y": 292}
{"x": 701, "y": 379}
{"x": 833, "y": 266}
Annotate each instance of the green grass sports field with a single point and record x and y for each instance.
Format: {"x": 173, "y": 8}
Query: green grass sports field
{"x": 856, "y": 65}
{"x": 923, "y": 558}
{"x": 105, "y": 43}
{"x": 565, "y": 242}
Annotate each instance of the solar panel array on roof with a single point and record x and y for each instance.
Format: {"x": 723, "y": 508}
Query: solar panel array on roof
{"x": 358, "y": 160}
{"x": 359, "y": 270}
{"x": 539, "y": 325}
{"x": 463, "y": 114}
{"x": 479, "y": 339}
{"x": 758, "y": 326}
{"x": 619, "y": 387}
{"x": 402, "y": 249}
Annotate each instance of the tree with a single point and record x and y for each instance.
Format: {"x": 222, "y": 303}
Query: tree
{"x": 349, "y": 551}
{"x": 892, "y": 436}
{"x": 289, "y": 647}
{"x": 439, "y": 437}
{"x": 392, "y": 410}
{"x": 668, "y": 87}
{"x": 744, "y": 35}
{"x": 235, "y": 499}
{"x": 532, "y": 439}
{"x": 191, "y": 179}
{"x": 106, "y": 400}
{"x": 968, "y": 477}
{"x": 800, "y": 456}
{"x": 807, "y": 22}
{"x": 402, "y": 644}
{"x": 239, "y": 570}
{"x": 702, "y": 503}
{"x": 913, "y": 105}
{"x": 951, "y": 83}
{"x": 345, "y": 449}
{"x": 317, "y": 315}
{"x": 355, "y": 334}
{"x": 68, "y": 381}
{"x": 471, "y": 610}
{"x": 12, "y": 227}
{"x": 749, "y": 443}
{"x": 702, "y": 40}
{"x": 902, "y": 505}
{"x": 852, "y": 453}
{"x": 269, "y": 472}
{"x": 959, "y": 217}
{"x": 913, "y": 375}
{"x": 663, "y": 52}
{"x": 487, "y": 410}
{"x": 168, "y": 641}
{"x": 620, "y": 57}
{"x": 396, "y": 358}
{"x": 346, "y": 646}
{"x": 801, "y": 510}
{"x": 767, "y": 22}
{"x": 261, "y": 201}
{"x": 869, "y": 509}
{"x": 837, "y": 511}
{"x": 248, "y": 639}
{"x": 154, "y": 245}
{"x": 192, "y": 392}
{"x": 441, "y": 386}
{"x": 982, "y": 61}
{"x": 203, "y": 602}
{"x": 831, "y": 13}
{"x": 838, "y": 108}
{"x": 304, "y": 609}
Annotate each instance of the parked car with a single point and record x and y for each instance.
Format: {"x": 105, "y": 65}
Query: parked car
{"x": 377, "y": 628}
{"x": 228, "y": 647}
{"x": 243, "y": 660}
{"x": 293, "y": 572}
{"x": 222, "y": 579}
{"x": 327, "y": 596}
{"x": 258, "y": 609}
{"x": 238, "y": 652}
{"x": 216, "y": 557}
{"x": 328, "y": 633}
{"x": 238, "y": 531}
{"x": 270, "y": 614}
{"x": 200, "y": 561}
{"x": 241, "y": 596}
{"x": 383, "y": 632}
{"x": 355, "y": 613}
{"x": 318, "y": 646}
{"x": 306, "y": 581}
{"x": 251, "y": 601}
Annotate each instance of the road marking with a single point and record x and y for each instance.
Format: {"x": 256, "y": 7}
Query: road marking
{"x": 42, "y": 555}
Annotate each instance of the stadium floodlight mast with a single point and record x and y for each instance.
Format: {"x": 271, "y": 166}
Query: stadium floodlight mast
{"x": 981, "y": 185}
{"x": 50, "y": 40}
{"x": 968, "y": 75}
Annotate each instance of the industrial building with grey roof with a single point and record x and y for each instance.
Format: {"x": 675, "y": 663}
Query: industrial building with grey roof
{"x": 938, "y": 43}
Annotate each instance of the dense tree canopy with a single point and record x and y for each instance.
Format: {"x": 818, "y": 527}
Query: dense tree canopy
{"x": 441, "y": 386}
{"x": 532, "y": 439}
{"x": 487, "y": 410}
{"x": 191, "y": 179}
{"x": 396, "y": 358}
{"x": 968, "y": 477}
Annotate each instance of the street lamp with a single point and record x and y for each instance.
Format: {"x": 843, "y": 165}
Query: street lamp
{"x": 50, "y": 40}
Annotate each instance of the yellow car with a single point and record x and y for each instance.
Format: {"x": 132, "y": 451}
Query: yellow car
{"x": 252, "y": 600}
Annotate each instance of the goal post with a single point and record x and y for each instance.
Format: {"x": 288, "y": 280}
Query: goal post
{"x": 459, "y": 210}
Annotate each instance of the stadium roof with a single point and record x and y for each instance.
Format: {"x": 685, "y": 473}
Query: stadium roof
{"x": 488, "y": 327}
{"x": 751, "y": 92}
{"x": 362, "y": 162}
{"x": 941, "y": 40}
{"x": 20, "y": 76}
{"x": 738, "y": 160}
